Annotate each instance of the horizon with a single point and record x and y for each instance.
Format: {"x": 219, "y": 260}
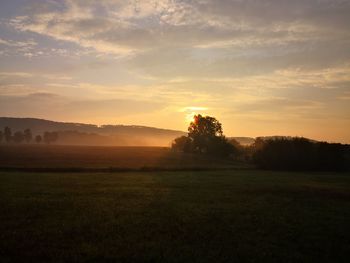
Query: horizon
{"x": 166, "y": 129}
{"x": 262, "y": 68}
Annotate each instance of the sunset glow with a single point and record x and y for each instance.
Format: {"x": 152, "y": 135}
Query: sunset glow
{"x": 261, "y": 67}
{"x": 190, "y": 112}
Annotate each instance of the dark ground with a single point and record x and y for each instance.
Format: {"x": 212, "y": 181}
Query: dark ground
{"x": 222, "y": 216}
{"x": 95, "y": 158}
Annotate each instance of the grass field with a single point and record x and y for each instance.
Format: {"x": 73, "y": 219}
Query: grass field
{"x": 222, "y": 216}
{"x": 56, "y": 157}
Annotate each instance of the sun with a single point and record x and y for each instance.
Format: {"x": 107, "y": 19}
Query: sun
{"x": 189, "y": 117}
{"x": 192, "y": 111}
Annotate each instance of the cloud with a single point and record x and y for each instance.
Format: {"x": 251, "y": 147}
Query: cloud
{"x": 221, "y": 39}
{"x": 130, "y": 26}
{"x": 21, "y": 44}
{"x": 285, "y": 105}
{"x": 15, "y": 74}
{"x": 9, "y": 47}
{"x": 329, "y": 13}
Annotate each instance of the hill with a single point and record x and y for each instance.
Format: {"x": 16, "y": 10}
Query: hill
{"x": 244, "y": 140}
{"x": 89, "y": 134}
{"x": 105, "y": 135}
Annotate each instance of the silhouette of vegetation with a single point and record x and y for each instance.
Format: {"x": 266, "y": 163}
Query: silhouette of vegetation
{"x": 182, "y": 143}
{"x": 18, "y": 137}
{"x": 240, "y": 151}
{"x": 87, "y": 134}
{"x": 50, "y": 137}
{"x": 7, "y": 134}
{"x": 38, "y": 139}
{"x": 298, "y": 154}
{"x": 205, "y": 136}
{"x": 28, "y": 136}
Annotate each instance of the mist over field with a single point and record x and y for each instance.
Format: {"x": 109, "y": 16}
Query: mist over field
{"x": 104, "y": 135}
{"x": 88, "y": 134}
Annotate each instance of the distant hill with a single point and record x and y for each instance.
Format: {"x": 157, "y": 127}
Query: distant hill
{"x": 276, "y": 137}
{"x": 89, "y": 134}
{"x": 244, "y": 140}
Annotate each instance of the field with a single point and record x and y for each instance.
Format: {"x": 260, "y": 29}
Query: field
{"x": 151, "y": 204}
{"x": 100, "y": 158}
{"x": 182, "y": 216}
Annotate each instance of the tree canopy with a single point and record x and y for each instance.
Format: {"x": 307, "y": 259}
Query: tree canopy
{"x": 50, "y": 137}
{"x": 205, "y": 136}
{"x": 204, "y": 126}
{"x": 299, "y": 154}
{"x": 28, "y": 136}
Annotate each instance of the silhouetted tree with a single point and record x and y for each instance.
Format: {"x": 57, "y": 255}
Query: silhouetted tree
{"x": 38, "y": 139}
{"x": 46, "y": 137}
{"x": 204, "y": 126}
{"x": 298, "y": 154}
{"x": 182, "y": 143}
{"x": 203, "y": 131}
{"x": 239, "y": 150}
{"x": 7, "y": 134}
{"x": 50, "y": 137}
{"x": 18, "y": 137}
{"x": 205, "y": 136}
{"x": 28, "y": 135}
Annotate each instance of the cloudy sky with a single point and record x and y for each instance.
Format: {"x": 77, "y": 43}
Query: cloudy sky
{"x": 267, "y": 67}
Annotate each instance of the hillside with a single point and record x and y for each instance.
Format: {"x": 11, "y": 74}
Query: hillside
{"x": 89, "y": 134}
{"x": 104, "y": 135}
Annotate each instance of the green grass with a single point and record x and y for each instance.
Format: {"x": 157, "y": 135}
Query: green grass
{"x": 223, "y": 216}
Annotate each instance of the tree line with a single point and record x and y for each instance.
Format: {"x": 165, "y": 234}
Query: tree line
{"x": 26, "y": 136}
{"x": 205, "y": 136}
{"x": 300, "y": 154}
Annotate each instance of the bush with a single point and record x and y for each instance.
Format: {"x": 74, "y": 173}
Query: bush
{"x": 298, "y": 154}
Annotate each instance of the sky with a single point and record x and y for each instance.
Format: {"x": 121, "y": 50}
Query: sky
{"x": 267, "y": 67}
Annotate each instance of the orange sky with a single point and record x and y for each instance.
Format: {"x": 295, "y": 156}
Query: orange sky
{"x": 261, "y": 67}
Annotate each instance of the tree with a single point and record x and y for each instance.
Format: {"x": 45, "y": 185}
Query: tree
{"x": 54, "y": 136}
{"x": 18, "y": 137}
{"x": 239, "y": 149}
{"x": 204, "y": 126}
{"x": 205, "y": 136}
{"x": 7, "y": 134}
{"x": 38, "y": 139}
{"x": 50, "y": 137}
{"x": 298, "y": 154}
{"x": 204, "y": 133}
{"x": 182, "y": 143}
{"x": 1, "y": 136}
{"x": 28, "y": 135}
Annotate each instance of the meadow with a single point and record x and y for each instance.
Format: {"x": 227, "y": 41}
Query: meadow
{"x": 104, "y": 158}
{"x": 152, "y": 204}
{"x": 180, "y": 216}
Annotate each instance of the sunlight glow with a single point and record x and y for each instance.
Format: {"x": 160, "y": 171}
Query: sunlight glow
{"x": 189, "y": 117}
{"x": 191, "y": 111}
{"x": 187, "y": 109}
